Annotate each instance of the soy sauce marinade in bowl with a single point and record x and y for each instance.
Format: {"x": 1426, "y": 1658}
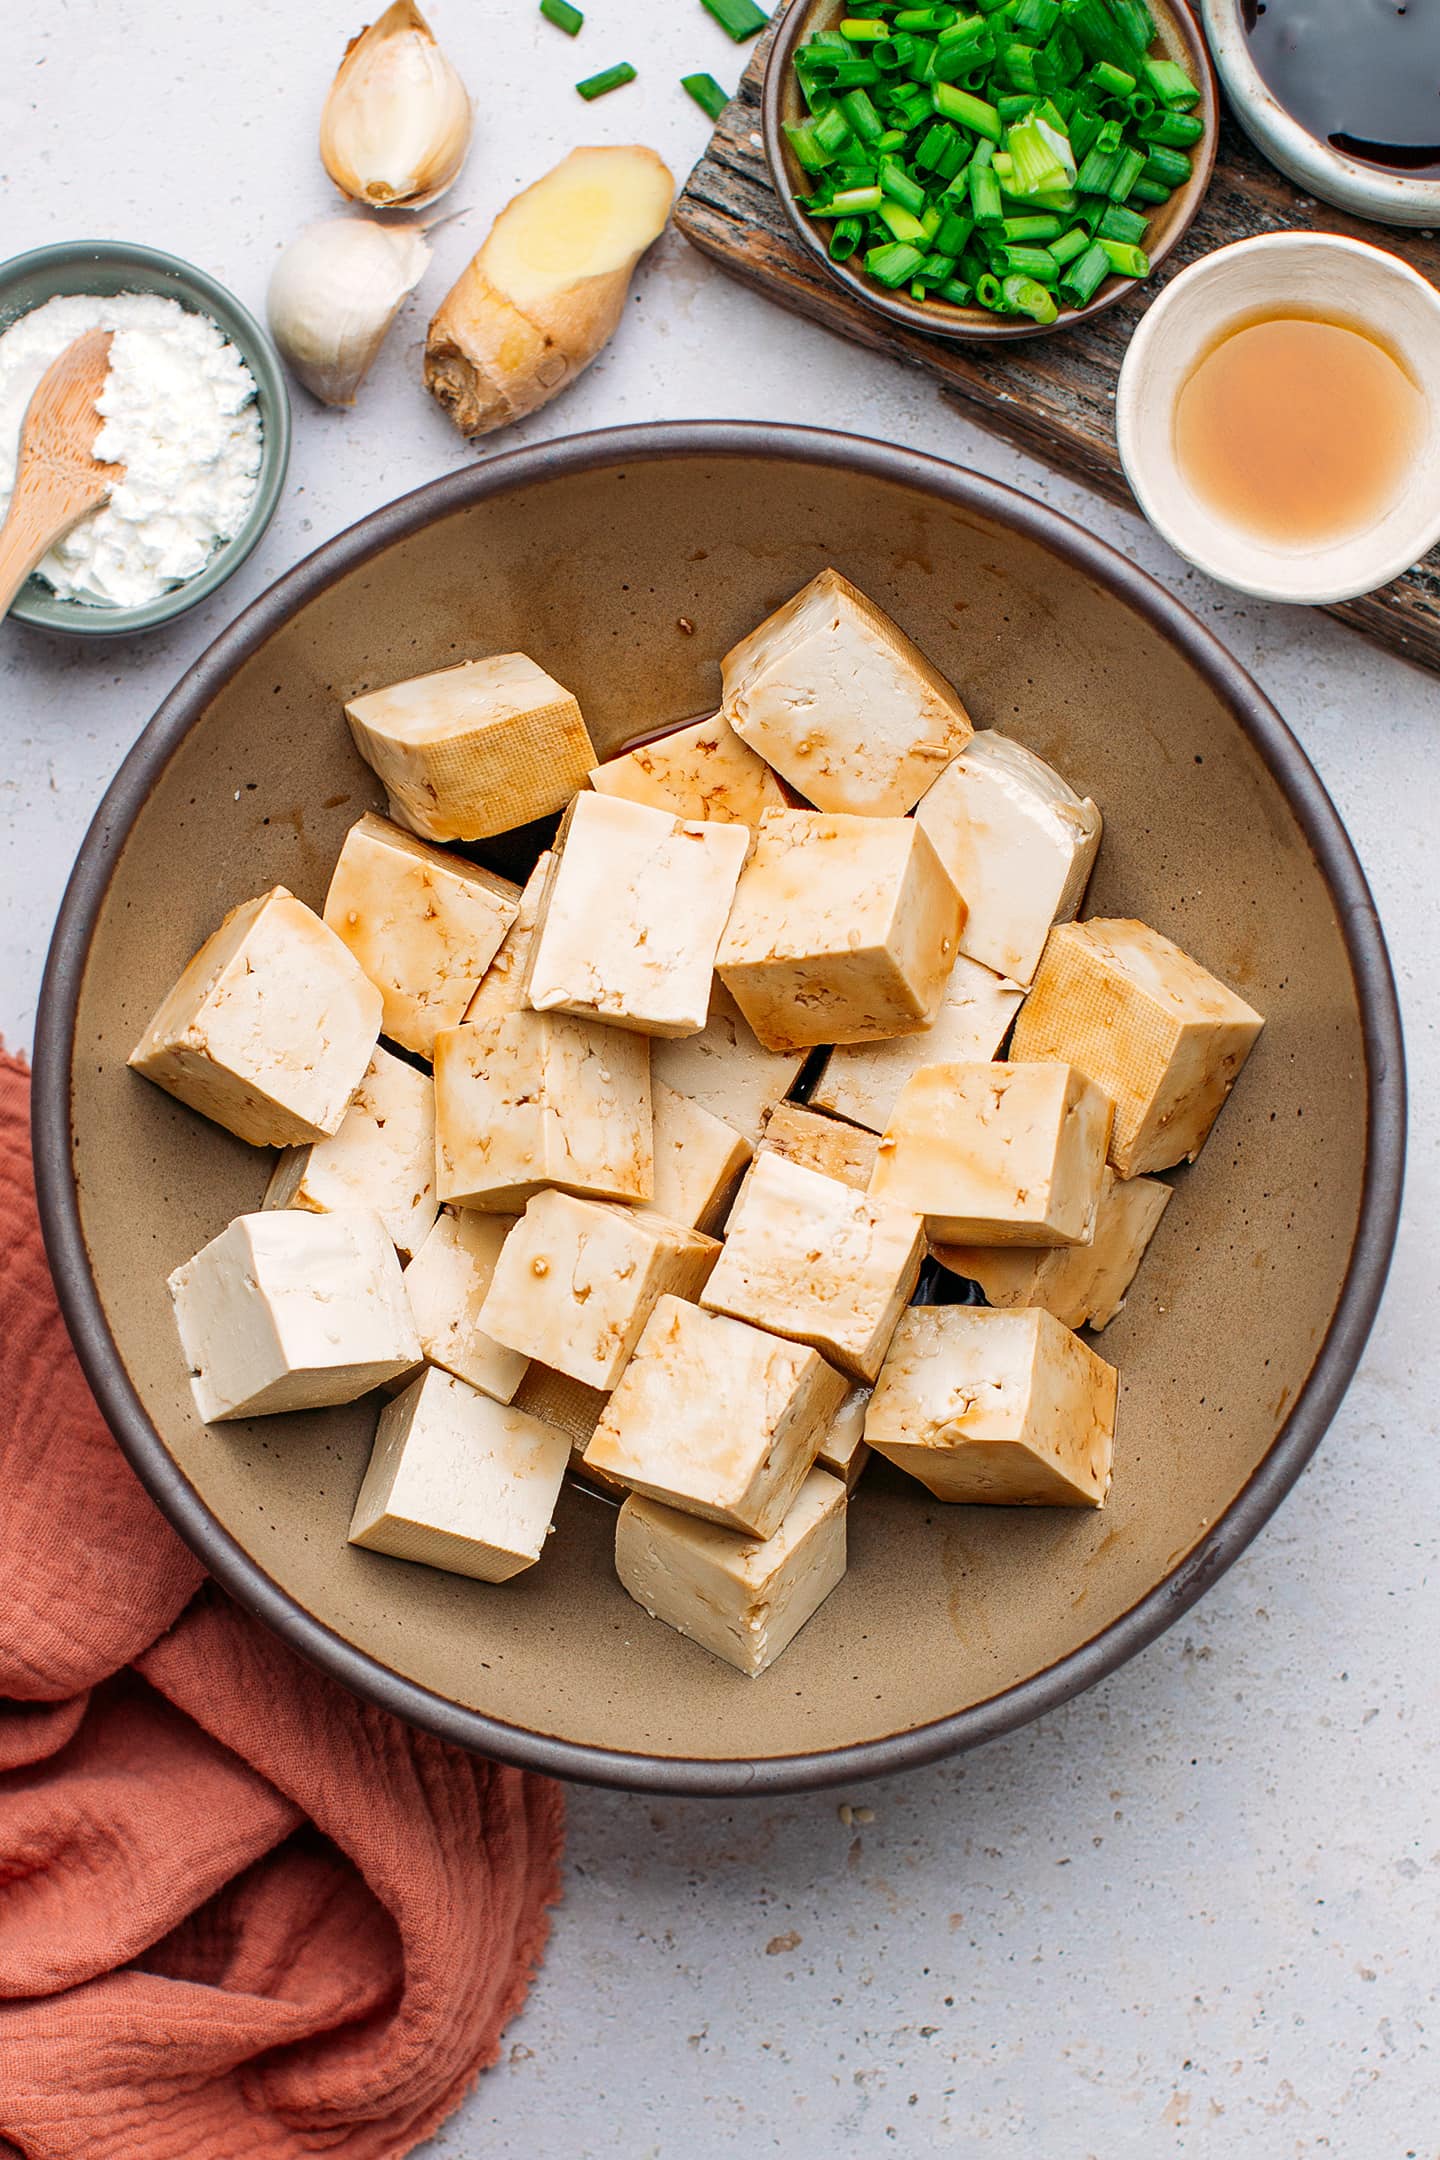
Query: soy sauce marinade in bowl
{"x": 993, "y": 169}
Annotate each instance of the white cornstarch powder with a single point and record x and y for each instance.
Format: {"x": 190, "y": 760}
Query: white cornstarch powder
{"x": 179, "y": 413}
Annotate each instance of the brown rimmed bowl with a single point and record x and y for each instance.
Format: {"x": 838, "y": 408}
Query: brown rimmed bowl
{"x": 1178, "y": 38}
{"x": 953, "y": 1624}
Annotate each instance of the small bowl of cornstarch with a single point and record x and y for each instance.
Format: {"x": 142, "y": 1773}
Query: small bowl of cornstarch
{"x": 194, "y": 411}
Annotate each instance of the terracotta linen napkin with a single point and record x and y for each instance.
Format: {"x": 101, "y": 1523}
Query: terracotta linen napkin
{"x": 243, "y": 1916}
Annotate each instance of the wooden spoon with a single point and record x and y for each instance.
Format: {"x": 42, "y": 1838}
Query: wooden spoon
{"x": 58, "y": 479}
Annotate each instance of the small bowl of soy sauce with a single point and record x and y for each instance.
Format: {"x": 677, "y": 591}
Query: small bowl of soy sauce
{"x": 1342, "y": 95}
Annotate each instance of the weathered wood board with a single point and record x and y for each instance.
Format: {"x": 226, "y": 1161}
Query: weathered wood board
{"x": 1053, "y": 397}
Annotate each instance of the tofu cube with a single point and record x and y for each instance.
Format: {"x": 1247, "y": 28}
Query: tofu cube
{"x": 997, "y": 1154}
{"x": 501, "y": 988}
{"x": 826, "y": 1144}
{"x": 290, "y": 1311}
{"x": 578, "y": 1280}
{"x": 1007, "y": 1408}
{"x": 541, "y": 1099}
{"x": 1018, "y": 842}
{"x": 1149, "y": 1025}
{"x": 423, "y": 925}
{"x": 475, "y": 749}
{"x": 844, "y": 929}
{"x": 446, "y": 1284}
{"x": 742, "y": 1598}
{"x": 459, "y": 1481}
{"x": 843, "y": 1451}
{"x": 270, "y": 1029}
{"x": 703, "y": 771}
{"x": 699, "y": 1160}
{"x": 812, "y": 1259}
{"x": 557, "y": 1400}
{"x": 862, "y": 1081}
{"x": 716, "y": 1418}
{"x": 724, "y": 1068}
{"x": 632, "y": 915}
{"x": 833, "y": 694}
{"x": 1083, "y": 1285}
{"x": 383, "y": 1157}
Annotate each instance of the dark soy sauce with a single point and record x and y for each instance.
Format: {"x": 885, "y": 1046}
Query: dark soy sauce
{"x": 1362, "y": 75}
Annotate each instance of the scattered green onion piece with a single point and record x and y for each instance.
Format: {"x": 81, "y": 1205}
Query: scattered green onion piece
{"x": 832, "y": 131}
{"x": 1025, "y": 296}
{"x": 1097, "y": 172}
{"x": 564, "y": 17}
{"x": 892, "y": 139}
{"x": 608, "y": 79}
{"x": 1127, "y": 172}
{"x": 1034, "y": 20}
{"x": 864, "y": 30}
{"x": 1084, "y": 132}
{"x": 1170, "y": 83}
{"x": 1118, "y": 223}
{"x": 1176, "y": 130}
{"x": 1069, "y": 245}
{"x": 1102, "y": 34}
{"x": 893, "y": 263}
{"x": 856, "y": 201}
{"x": 1086, "y": 275}
{"x": 706, "y": 92}
{"x": 1020, "y": 229}
{"x": 955, "y": 291}
{"x": 859, "y": 110}
{"x": 900, "y": 223}
{"x": 952, "y": 235}
{"x": 1016, "y": 65}
{"x": 1040, "y": 158}
{"x": 1115, "y": 80}
{"x": 1003, "y": 166}
{"x": 967, "y": 111}
{"x": 1125, "y": 260}
{"x": 1038, "y": 263}
{"x": 800, "y": 134}
{"x": 927, "y": 18}
{"x": 985, "y": 196}
{"x": 1111, "y": 137}
{"x": 899, "y": 186}
{"x": 845, "y": 237}
{"x": 740, "y": 19}
{"x": 988, "y": 290}
{"x": 893, "y": 54}
{"x": 1150, "y": 191}
{"x": 1171, "y": 167}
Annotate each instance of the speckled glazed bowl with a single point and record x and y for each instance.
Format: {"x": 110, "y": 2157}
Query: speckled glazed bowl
{"x": 595, "y": 555}
{"x": 116, "y": 266}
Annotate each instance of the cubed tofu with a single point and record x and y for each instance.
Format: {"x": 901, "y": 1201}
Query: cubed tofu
{"x": 716, "y": 1418}
{"x": 383, "y": 1156}
{"x": 843, "y": 1451}
{"x": 446, "y": 1284}
{"x": 556, "y": 1399}
{"x": 703, "y": 771}
{"x": 997, "y": 1154}
{"x": 459, "y": 1481}
{"x": 423, "y": 925}
{"x": 1083, "y": 1285}
{"x": 541, "y": 1099}
{"x": 501, "y": 988}
{"x": 742, "y": 1598}
{"x": 270, "y": 1029}
{"x": 1018, "y": 842}
{"x": 844, "y": 929}
{"x": 290, "y": 1311}
{"x": 474, "y": 749}
{"x": 632, "y": 915}
{"x": 814, "y": 1260}
{"x": 1004, "y": 1407}
{"x": 725, "y": 1070}
{"x": 862, "y": 1081}
{"x": 699, "y": 1160}
{"x": 1163, "y": 1037}
{"x": 826, "y": 1144}
{"x": 578, "y": 1280}
{"x": 833, "y": 694}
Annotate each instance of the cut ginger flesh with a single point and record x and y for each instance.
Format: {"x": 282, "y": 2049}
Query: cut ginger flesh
{"x": 592, "y": 215}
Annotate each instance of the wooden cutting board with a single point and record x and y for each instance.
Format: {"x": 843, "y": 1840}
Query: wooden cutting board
{"x": 1053, "y": 397}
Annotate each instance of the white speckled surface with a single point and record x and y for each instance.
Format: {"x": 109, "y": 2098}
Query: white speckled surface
{"x": 1198, "y": 1911}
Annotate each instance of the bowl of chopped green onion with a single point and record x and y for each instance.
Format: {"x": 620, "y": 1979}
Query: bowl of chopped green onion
{"x": 995, "y": 169}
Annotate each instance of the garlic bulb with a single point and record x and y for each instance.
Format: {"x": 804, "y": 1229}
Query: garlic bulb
{"x": 333, "y": 295}
{"x": 396, "y": 125}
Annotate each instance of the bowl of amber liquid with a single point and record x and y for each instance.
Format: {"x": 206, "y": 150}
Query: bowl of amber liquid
{"x": 1278, "y": 416}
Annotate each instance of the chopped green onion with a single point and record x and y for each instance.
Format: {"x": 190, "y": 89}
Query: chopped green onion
{"x": 892, "y": 139}
{"x": 800, "y": 134}
{"x": 893, "y": 263}
{"x": 1150, "y": 191}
{"x": 902, "y": 224}
{"x": 954, "y": 291}
{"x": 855, "y": 201}
{"x": 1171, "y": 167}
{"x": 564, "y": 17}
{"x": 1114, "y": 80}
{"x": 1069, "y": 245}
{"x": 1127, "y": 172}
{"x": 1024, "y": 296}
{"x": 1086, "y": 275}
{"x": 967, "y": 111}
{"x": 740, "y": 19}
{"x": 1170, "y": 83}
{"x": 1034, "y": 20}
{"x": 1033, "y": 262}
{"x": 845, "y": 237}
{"x": 610, "y": 78}
{"x": 1175, "y": 129}
{"x": 1040, "y": 158}
{"x": 927, "y": 18}
{"x": 899, "y": 186}
{"x": 1118, "y": 223}
{"x": 893, "y": 54}
{"x": 1031, "y": 228}
{"x": 859, "y": 110}
{"x": 952, "y": 235}
{"x": 706, "y": 92}
{"x": 985, "y": 196}
{"x": 864, "y": 30}
{"x": 1125, "y": 260}
{"x": 988, "y": 290}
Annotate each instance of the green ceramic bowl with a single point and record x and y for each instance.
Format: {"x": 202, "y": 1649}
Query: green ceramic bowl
{"x": 114, "y": 266}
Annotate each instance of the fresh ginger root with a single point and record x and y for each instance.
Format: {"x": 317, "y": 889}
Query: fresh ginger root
{"x": 547, "y": 288}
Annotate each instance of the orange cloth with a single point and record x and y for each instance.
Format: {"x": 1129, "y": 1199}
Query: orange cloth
{"x": 243, "y": 1916}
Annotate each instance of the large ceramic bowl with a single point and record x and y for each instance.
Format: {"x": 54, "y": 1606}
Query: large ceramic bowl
{"x": 107, "y": 267}
{"x": 595, "y": 555}
{"x": 1178, "y": 39}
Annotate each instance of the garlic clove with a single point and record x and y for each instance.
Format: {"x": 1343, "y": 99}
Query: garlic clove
{"x": 334, "y": 294}
{"x": 396, "y": 124}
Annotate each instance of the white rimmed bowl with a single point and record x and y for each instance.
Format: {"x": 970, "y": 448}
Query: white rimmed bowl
{"x": 1306, "y": 273}
{"x": 1366, "y": 191}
